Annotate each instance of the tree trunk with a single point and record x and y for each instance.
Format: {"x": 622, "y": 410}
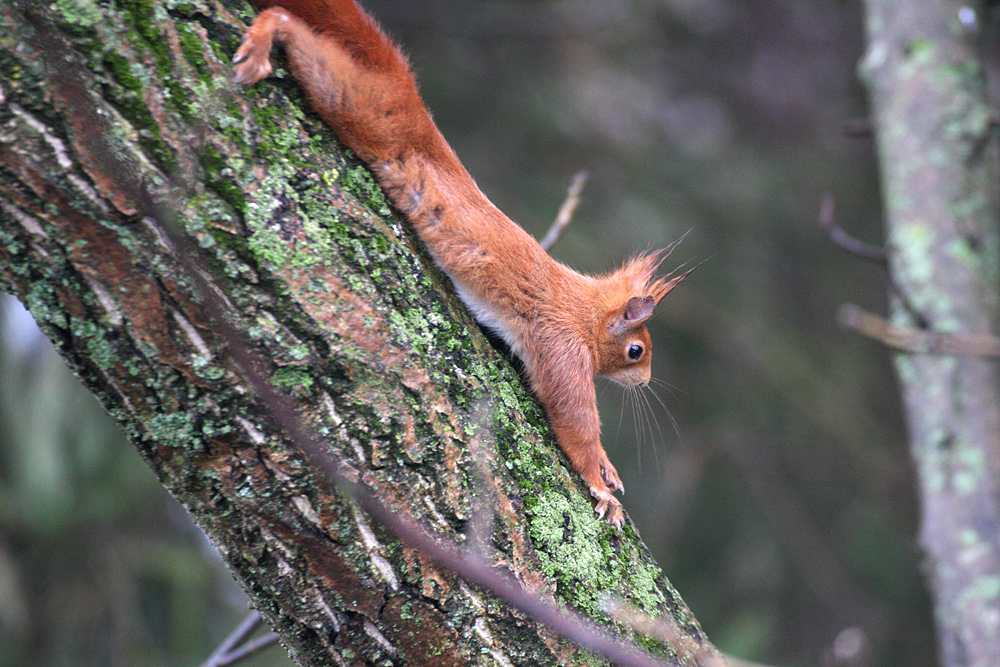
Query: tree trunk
{"x": 121, "y": 129}
{"x": 938, "y": 151}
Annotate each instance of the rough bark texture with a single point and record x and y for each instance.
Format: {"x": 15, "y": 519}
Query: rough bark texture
{"x": 938, "y": 154}
{"x": 111, "y": 113}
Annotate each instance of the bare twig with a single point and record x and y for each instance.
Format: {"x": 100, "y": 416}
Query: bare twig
{"x": 666, "y": 631}
{"x": 235, "y": 638}
{"x": 236, "y": 647}
{"x": 916, "y": 341}
{"x": 864, "y": 251}
{"x": 843, "y": 239}
{"x": 252, "y": 647}
{"x": 566, "y": 211}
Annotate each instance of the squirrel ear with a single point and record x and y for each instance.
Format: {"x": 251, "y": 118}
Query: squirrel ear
{"x": 639, "y": 308}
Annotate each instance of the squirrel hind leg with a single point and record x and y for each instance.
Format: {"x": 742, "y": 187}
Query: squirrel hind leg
{"x": 253, "y": 58}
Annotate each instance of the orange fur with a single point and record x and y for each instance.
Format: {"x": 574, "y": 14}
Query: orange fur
{"x": 566, "y": 327}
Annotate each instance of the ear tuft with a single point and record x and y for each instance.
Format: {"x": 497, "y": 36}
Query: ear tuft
{"x": 642, "y": 270}
{"x": 663, "y": 286}
{"x": 639, "y": 308}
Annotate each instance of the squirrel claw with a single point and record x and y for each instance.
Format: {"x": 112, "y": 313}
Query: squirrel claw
{"x": 610, "y": 476}
{"x": 608, "y": 507}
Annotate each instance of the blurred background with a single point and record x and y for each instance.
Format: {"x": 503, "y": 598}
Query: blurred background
{"x": 772, "y": 483}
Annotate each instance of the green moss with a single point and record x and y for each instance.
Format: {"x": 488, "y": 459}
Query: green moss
{"x": 214, "y": 429}
{"x": 142, "y": 16}
{"x": 219, "y": 179}
{"x": 569, "y": 548}
{"x": 193, "y": 48}
{"x": 289, "y": 376}
{"x": 643, "y": 579}
{"x": 359, "y": 182}
{"x": 38, "y": 301}
{"x": 299, "y": 352}
{"x": 330, "y": 177}
{"x": 174, "y": 430}
{"x": 206, "y": 370}
{"x": 101, "y": 351}
{"x": 81, "y": 13}
{"x": 267, "y": 244}
{"x": 280, "y": 140}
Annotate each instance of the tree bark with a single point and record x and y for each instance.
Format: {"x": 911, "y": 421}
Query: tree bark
{"x": 938, "y": 152}
{"x": 119, "y": 129}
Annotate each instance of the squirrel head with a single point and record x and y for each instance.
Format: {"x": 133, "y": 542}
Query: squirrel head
{"x": 622, "y": 345}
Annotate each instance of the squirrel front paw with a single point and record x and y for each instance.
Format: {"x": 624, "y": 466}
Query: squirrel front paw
{"x": 608, "y": 507}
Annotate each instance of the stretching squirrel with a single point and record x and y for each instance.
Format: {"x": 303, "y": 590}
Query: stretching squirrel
{"x": 565, "y": 327}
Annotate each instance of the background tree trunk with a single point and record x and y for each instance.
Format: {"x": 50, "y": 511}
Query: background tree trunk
{"x": 938, "y": 152}
{"x": 119, "y": 121}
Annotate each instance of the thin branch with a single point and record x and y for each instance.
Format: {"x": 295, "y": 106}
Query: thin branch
{"x": 864, "y": 251}
{"x": 566, "y": 211}
{"x": 843, "y": 239}
{"x": 916, "y": 341}
{"x": 235, "y": 638}
{"x": 236, "y": 647}
{"x": 664, "y": 630}
{"x": 251, "y": 648}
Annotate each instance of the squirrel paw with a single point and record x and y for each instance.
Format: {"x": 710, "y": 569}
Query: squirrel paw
{"x": 610, "y": 475}
{"x": 608, "y": 507}
{"x": 252, "y": 59}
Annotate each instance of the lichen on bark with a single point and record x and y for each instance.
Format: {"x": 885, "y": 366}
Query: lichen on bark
{"x": 938, "y": 151}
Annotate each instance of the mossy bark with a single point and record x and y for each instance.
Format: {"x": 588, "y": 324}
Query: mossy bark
{"x": 938, "y": 149}
{"x": 117, "y": 120}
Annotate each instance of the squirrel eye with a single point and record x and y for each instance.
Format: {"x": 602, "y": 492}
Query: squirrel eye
{"x": 634, "y": 352}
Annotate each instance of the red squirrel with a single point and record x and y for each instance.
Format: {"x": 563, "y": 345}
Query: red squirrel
{"x": 565, "y": 327}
